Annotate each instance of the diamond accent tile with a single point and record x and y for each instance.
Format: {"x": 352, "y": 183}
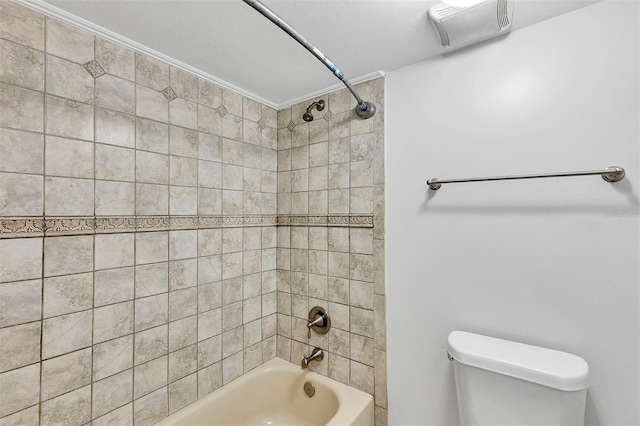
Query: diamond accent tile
{"x": 94, "y": 68}
{"x": 291, "y": 126}
{"x": 328, "y": 115}
{"x": 222, "y": 111}
{"x": 169, "y": 94}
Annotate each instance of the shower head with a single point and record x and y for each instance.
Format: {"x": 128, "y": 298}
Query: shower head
{"x": 319, "y": 105}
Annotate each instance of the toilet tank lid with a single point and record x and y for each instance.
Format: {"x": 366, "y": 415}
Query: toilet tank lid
{"x": 548, "y": 367}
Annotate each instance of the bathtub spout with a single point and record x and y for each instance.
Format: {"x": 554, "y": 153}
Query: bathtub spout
{"x": 317, "y": 354}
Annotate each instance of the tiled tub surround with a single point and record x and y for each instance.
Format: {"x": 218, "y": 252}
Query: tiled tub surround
{"x": 158, "y": 241}
{"x": 334, "y": 165}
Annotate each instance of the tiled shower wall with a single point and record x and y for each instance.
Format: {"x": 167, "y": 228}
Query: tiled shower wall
{"x": 334, "y": 166}
{"x": 138, "y": 250}
{"x": 143, "y": 212}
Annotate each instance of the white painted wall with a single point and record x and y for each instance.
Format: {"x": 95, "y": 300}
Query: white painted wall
{"x": 551, "y": 262}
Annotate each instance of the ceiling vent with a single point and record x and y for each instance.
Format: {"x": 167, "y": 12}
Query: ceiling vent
{"x": 457, "y": 26}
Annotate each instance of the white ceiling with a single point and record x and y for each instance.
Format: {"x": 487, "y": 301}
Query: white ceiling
{"x": 232, "y": 42}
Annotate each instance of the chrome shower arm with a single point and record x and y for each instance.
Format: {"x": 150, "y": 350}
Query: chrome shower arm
{"x": 364, "y": 109}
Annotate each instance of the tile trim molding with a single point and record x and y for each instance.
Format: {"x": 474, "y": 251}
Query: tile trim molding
{"x": 26, "y": 227}
{"x": 57, "y": 13}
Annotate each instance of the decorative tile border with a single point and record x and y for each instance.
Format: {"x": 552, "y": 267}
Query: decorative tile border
{"x": 111, "y": 225}
{"x": 69, "y": 225}
{"x": 24, "y": 227}
{"x": 21, "y": 227}
{"x": 354, "y": 221}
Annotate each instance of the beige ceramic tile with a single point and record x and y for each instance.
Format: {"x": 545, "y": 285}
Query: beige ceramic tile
{"x": 362, "y": 377}
{"x": 361, "y": 200}
{"x": 115, "y": 93}
{"x": 151, "y": 311}
{"x": 69, "y": 80}
{"x": 114, "y": 251}
{"x": 252, "y": 357}
{"x": 209, "y": 147}
{"x": 66, "y": 373}
{"x": 150, "y": 344}
{"x": 151, "y": 104}
{"x": 113, "y": 286}
{"x": 152, "y": 199}
{"x": 69, "y": 408}
{"x": 66, "y": 333}
{"x": 112, "y": 321}
{"x": 209, "y": 379}
{"x": 183, "y": 171}
{"x": 29, "y": 416}
{"x": 209, "y": 324}
{"x": 209, "y": 174}
{"x": 67, "y": 294}
{"x": 112, "y": 357}
{"x": 151, "y": 408}
{"x": 232, "y": 127}
{"x": 68, "y": 255}
{"x": 209, "y": 201}
{"x": 231, "y": 318}
{"x": 112, "y": 392}
{"x": 152, "y": 135}
{"x": 21, "y": 302}
{"x": 152, "y": 168}
{"x": 183, "y": 332}
{"x": 24, "y": 384}
{"x": 183, "y": 142}
{"x": 210, "y": 351}
{"x": 361, "y": 173}
{"x": 21, "y": 152}
{"x": 21, "y": 259}
{"x": 115, "y": 59}
{"x": 120, "y": 416}
{"x": 251, "y": 132}
{"x": 184, "y": 84}
{"x": 22, "y": 195}
{"x": 68, "y": 42}
{"x": 361, "y": 267}
{"x": 20, "y": 345}
{"x": 21, "y": 65}
{"x": 69, "y": 118}
{"x": 150, "y": 376}
{"x": 68, "y": 197}
{"x": 115, "y": 128}
{"x": 114, "y": 198}
{"x": 21, "y": 25}
{"x": 182, "y": 303}
{"x": 183, "y": 362}
{"x": 232, "y": 367}
{"x": 151, "y": 72}
{"x": 209, "y": 94}
{"x": 183, "y": 113}
{"x": 362, "y": 349}
{"x": 183, "y": 244}
{"x": 183, "y": 392}
{"x": 68, "y": 158}
{"x": 183, "y": 201}
{"x": 22, "y": 109}
{"x": 185, "y": 273}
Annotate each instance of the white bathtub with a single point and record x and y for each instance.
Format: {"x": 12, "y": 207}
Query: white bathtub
{"x": 273, "y": 394}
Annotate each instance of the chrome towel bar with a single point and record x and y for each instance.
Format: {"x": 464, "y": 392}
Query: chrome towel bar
{"x": 610, "y": 174}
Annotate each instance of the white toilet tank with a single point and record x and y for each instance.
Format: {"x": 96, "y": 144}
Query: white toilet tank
{"x": 499, "y": 382}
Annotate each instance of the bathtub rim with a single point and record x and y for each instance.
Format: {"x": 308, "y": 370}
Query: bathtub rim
{"x": 347, "y": 396}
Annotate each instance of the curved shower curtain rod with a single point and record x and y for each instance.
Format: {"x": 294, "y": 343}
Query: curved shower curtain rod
{"x": 364, "y": 109}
